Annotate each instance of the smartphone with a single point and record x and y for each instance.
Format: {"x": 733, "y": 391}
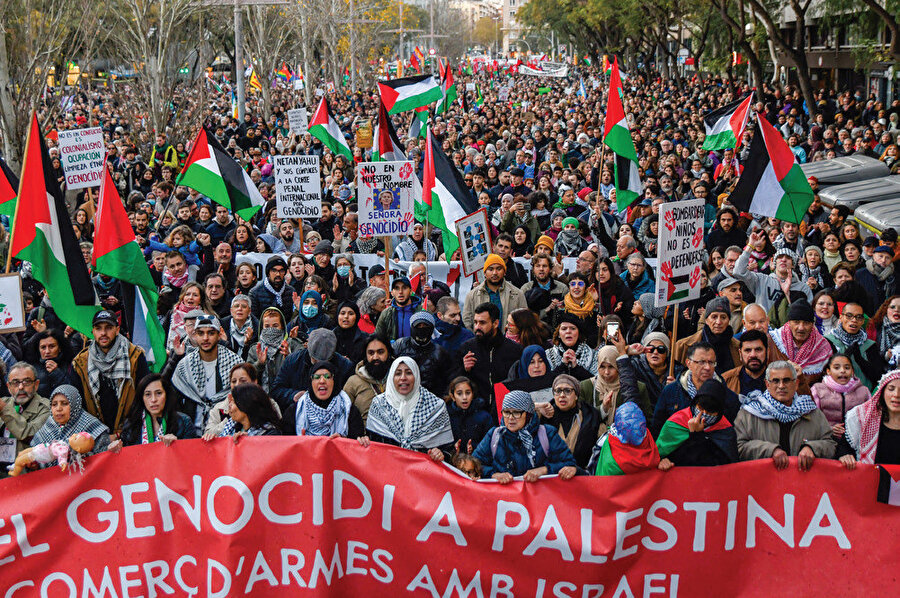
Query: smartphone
{"x": 612, "y": 329}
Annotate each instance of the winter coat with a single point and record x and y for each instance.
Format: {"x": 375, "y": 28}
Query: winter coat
{"x": 511, "y": 299}
{"x": 261, "y": 298}
{"x": 868, "y": 364}
{"x": 588, "y": 430}
{"x": 675, "y": 397}
{"x": 294, "y": 376}
{"x": 182, "y": 427}
{"x": 451, "y": 337}
{"x": 362, "y": 388}
{"x": 758, "y": 438}
{"x": 644, "y": 284}
{"x": 433, "y": 363}
{"x": 510, "y": 454}
{"x": 644, "y": 373}
{"x": 388, "y": 322}
{"x": 834, "y": 404}
{"x": 469, "y": 424}
{"x": 492, "y": 362}
{"x": 630, "y": 390}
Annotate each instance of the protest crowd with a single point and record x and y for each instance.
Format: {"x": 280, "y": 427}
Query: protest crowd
{"x": 557, "y": 360}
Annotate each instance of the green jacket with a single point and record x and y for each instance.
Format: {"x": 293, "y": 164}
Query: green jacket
{"x": 23, "y": 425}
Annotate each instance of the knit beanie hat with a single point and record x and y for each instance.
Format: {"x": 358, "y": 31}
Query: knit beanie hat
{"x": 719, "y": 304}
{"x": 494, "y": 260}
{"x": 545, "y": 241}
{"x": 801, "y": 311}
{"x": 323, "y": 247}
{"x": 570, "y": 220}
{"x": 656, "y": 336}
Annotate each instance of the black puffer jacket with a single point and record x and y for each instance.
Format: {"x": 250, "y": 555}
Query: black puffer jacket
{"x": 434, "y": 363}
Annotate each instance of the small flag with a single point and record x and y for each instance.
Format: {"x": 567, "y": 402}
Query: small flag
{"x": 417, "y": 127}
{"x": 725, "y": 126}
{"x": 325, "y": 128}
{"x": 254, "y": 81}
{"x": 889, "y": 484}
{"x": 409, "y": 93}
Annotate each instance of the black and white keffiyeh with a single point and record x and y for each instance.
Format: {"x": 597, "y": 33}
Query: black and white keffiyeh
{"x": 190, "y": 379}
{"x": 765, "y": 406}
{"x": 313, "y": 420}
{"x": 114, "y": 365}
{"x": 79, "y": 421}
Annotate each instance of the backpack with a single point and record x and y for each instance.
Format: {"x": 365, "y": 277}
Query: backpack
{"x": 542, "y": 438}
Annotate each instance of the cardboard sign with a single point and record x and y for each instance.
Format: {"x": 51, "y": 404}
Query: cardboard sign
{"x": 680, "y": 251}
{"x": 298, "y": 191}
{"x": 81, "y": 152}
{"x": 385, "y": 198}
{"x": 298, "y": 121}
{"x": 12, "y": 307}
{"x": 474, "y": 240}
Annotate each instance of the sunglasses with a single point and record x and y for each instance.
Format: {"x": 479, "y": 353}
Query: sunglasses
{"x": 656, "y": 349}
{"x": 576, "y": 283}
{"x": 321, "y": 377}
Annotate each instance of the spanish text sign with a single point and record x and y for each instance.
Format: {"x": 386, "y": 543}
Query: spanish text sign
{"x": 81, "y": 152}
{"x": 385, "y": 198}
{"x": 681, "y": 251}
{"x": 298, "y": 192}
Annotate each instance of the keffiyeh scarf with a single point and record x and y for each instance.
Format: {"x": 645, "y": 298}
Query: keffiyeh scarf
{"x": 811, "y": 355}
{"x": 890, "y": 336}
{"x": 584, "y": 356}
{"x": 238, "y": 333}
{"x": 765, "y": 406}
{"x": 268, "y": 286}
{"x": 114, "y": 365}
{"x": 870, "y": 420}
{"x": 190, "y": 379}
{"x": 847, "y": 339}
{"x": 430, "y": 425}
{"x": 79, "y": 421}
{"x": 313, "y": 420}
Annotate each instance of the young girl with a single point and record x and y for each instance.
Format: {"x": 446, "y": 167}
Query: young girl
{"x": 467, "y": 464}
{"x": 469, "y": 418}
{"x": 839, "y": 392}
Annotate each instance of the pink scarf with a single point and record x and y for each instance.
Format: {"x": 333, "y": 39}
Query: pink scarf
{"x": 175, "y": 282}
{"x": 870, "y": 420}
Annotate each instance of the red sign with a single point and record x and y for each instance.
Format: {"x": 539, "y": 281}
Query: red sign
{"x": 270, "y": 516}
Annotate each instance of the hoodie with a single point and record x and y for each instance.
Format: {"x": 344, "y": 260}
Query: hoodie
{"x": 450, "y": 336}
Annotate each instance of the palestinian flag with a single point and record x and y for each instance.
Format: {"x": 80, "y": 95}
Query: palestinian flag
{"x": 419, "y": 121}
{"x": 889, "y": 484}
{"x": 445, "y": 197}
{"x": 9, "y": 189}
{"x": 772, "y": 183}
{"x": 325, "y": 128}
{"x": 43, "y": 235}
{"x": 618, "y": 458}
{"x": 211, "y": 171}
{"x": 617, "y": 137}
{"x": 409, "y": 93}
{"x": 387, "y": 145}
{"x": 725, "y": 126}
{"x": 675, "y": 431}
{"x": 117, "y": 254}
{"x": 448, "y": 88}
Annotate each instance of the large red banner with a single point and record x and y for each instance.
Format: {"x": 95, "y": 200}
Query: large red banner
{"x": 308, "y": 516}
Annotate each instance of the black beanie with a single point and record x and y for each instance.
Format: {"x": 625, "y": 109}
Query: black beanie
{"x": 801, "y": 311}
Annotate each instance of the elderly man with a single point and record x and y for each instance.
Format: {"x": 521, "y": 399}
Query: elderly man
{"x": 21, "y": 414}
{"x": 730, "y": 289}
{"x": 780, "y": 423}
{"x": 717, "y": 332}
{"x": 850, "y": 339}
{"x": 700, "y": 360}
{"x": 770, "y": 289}
{"x": 800, "y": 342}
{"x": 496, "y": 290}
{"x": 730, "y": 259}
{"x": 625, "y": 246}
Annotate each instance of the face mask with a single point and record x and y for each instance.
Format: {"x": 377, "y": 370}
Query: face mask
{"x": 422, "y": 334}
{"x": 309, "y": 311}
{"x": 343, "y": 270}
{"x": 708, "y": 419}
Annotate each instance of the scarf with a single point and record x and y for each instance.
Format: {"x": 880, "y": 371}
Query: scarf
{"x": 890, "y": 336}
{"x": 190, "y": 379}
{"x": 271, "y": 339}
{"x": 175, "y": 282}
{"x": 689, "y": 385}
{"x": 314, "y": 420}
{"x": 831, "y": 258}
{"x": 568, "y": 242}
{"x": 722, "y": 344}
{"x": 418, "y": 420}
{"x": 238, "y": 333}
{"x": 811, "y": 355}
{"x": 366, "y": 245}
{"x": 79, "y": 421}
{"x": 268, "y": 286}
{"x": 833, "y": 385}
{"x": 147, "y": 434}
{"x": 847, "y": 339}
{"x": 584, "y": 356}
{"x": 605, "y": 354}
{"x": 114, "y": 365}
{"x": 870, "y": 420}
{"x": 176, "y": 322}
{"x": 882, "y": 273}
{"x": 764, "y": 406}
{"x": 581, "y": 310}
{"x": 806, "y": 273}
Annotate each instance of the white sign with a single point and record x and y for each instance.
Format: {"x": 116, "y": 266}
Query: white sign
{"x": 12, "y": 307}
{"x": 470, "y": 87}
{"x": 385, "y": 198}
{"x": 503, "y": 95}
{"x": 298, "y": 192}
{"x": 546, "y": 71}
{"x": 81, "y": 152}
{"x": 474, "y": 240}
{"x": 297, "y": 120}
{"x": 680, "y": 251}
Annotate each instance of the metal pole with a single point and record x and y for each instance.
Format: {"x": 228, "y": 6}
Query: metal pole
{"x": 431, "y": 33}
{"x": 400, "y": 42}
{"x": 239, "y": 60}
{"x": 352, "y": 48}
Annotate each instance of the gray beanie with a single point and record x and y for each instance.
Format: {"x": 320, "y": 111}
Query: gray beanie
{"x": 718, "y": 304}
{"x": 321, "y": 345}
{"x": 421, "y": 317}
{"x": 815, "y": 248}
{"x": 519, "y": 400}
{"x": 656, "y": 336}
{"x": 557, "y": 212}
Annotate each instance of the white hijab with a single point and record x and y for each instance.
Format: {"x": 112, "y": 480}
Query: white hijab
{"x": 404, "y": 405}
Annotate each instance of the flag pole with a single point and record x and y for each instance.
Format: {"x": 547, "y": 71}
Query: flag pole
{"x": 387, "y": 266}
{"x": 19, "y": 193}
{"x": 672, "y": 342}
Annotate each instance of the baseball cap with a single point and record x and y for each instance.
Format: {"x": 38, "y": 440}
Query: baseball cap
{"x": 207, "y": 321}
{"x": 104, "y": 315}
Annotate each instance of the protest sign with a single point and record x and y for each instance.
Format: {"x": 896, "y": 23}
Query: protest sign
{"x": 298, "y": 193}
{"x": 680, "y": 251}
{"x": 503, "y": 94}
{"x": 474, "y": 240}
{"x": 221, "y": 519}
{"x": 12, "y": 309}
{"x": 297, "y": 121}
{"x": 82, "y": 152}
{"x": 470, "y": 87}
{"x": 385, "y": 198}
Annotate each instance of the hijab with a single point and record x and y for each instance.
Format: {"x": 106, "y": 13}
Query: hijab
{"x": 606, "y": 354}
{"x": 404, "y": 405}
{"x": 79, "y": 421}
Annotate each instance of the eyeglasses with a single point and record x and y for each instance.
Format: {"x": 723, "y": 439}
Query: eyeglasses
{"x": 780, "y": 381}
{"x": 321, "y": 377}
{"x": 711, "y": 364}
{"x": 659, "y": 349}
{"x": 512, "y": 413}
{"x": 563, "y": 392}
{"x": 857, "y": 317}
{"x": 576, "y": 283}
{"x": 17, "y": 383}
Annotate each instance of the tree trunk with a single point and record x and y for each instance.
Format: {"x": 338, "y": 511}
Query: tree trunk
{"x": 9, "y": 115}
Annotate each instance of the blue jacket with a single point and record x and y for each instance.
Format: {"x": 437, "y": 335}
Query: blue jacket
{"x": 217, "y": 232}
{"x": 674, "y": 397}
{"x": 646, "y": 284}
{"x": 188, "y": 251}
{"x": 510, "y": 455}
{"x": 451, "y": 337}
{"x": 294, "y": 376}
{"x": 469, "y": 424}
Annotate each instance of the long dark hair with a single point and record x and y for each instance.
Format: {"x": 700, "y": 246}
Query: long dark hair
{"x": 255, "y": 403}
{"x": 65, "y": 349}
{"x": 131, "y": 427}
{"x": 532, "y": 331}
